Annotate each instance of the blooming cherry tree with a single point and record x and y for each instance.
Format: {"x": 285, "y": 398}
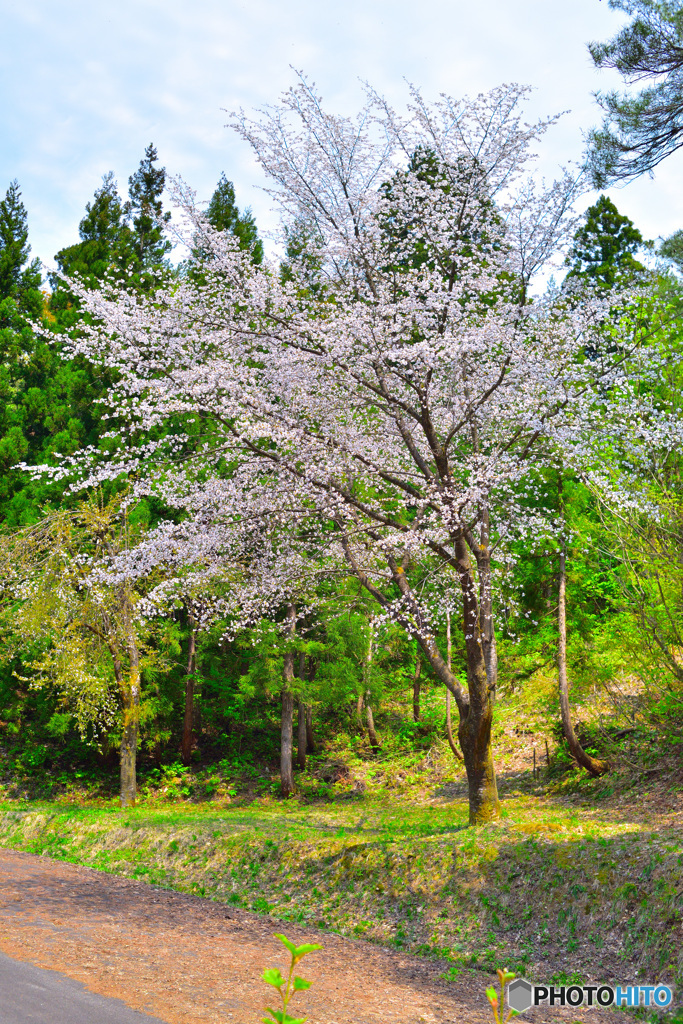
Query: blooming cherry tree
{"x": 391, "y": 401}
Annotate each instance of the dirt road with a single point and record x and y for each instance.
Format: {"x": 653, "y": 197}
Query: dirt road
{"x": 188, "y": 960}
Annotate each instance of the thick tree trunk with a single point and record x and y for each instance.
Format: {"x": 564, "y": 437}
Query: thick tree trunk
{"x": 286, "y": 724}
{"x": 449, "y": 724}
{"x": 301, "y": 738}
{"x": 416, "y": 690}
{"x": 188, "y": 719}
{"x": 476, "y": 705}
{"x": 593, "y": 766}
{"x": 474, "y": 732}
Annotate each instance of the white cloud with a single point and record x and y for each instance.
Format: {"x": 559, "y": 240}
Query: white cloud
{"x": 87, "y": 85}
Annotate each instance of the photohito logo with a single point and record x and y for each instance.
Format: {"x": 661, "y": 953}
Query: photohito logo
{"x": 522, "y": 995}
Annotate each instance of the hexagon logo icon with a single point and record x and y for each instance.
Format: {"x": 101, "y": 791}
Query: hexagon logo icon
{"x": 520, "y": 995}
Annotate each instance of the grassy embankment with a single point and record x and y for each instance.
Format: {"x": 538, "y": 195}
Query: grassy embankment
{"x": 581, "y": 880}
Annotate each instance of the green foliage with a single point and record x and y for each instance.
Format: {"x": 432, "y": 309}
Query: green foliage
{"x": 604, "y": 248}
{"x": 287, "y": 987}
{"x": 672, "y": 249}
{"x": 641, "y": 130}
{"x": 224, "y": 215}
{"x": 145, "y": 209}
{"x": 497, "y": 1004}
{"x": 18, "y": 281}
{"x": 106, "y": 248}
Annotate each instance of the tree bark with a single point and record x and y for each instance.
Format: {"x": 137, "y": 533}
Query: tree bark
{"x": 129, "y": 736}
{"x": 369, "y": 717}
{"x": 592, "y": 765}
{"x": 301, "y": 737}
{"x": 449, "y": 724}
{"x": 475, "y": 706}
{"x": 476, "y": 715}
{"x": 372, "y": 735}
{"x": 188, "y": 719}
{"x": 286, "y": 722}
{"x": 310, "y": 738}
{"x": 416, "y": 690}
{"x": 359, "y": 710}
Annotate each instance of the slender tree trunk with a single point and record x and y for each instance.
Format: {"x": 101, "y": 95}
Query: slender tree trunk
{"x": 286, "y": 724}
{"x": 129, "y": 736}
{"x": 310, "y": 738}
{"x": 188, "y": 720}
{"x": 359, "y": 710}
{"x": 449, "y": 661}
{"x": 301, "y": 737}
{"x": 416, "y": 690}
{"x": 372, "y": 735}
{"x": 369, "y": 718}
{"x": 593, "y": 766}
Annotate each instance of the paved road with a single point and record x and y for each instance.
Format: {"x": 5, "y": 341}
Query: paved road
{"x": 32, "y": 995}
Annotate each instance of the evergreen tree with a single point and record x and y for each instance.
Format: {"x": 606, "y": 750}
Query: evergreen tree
{"x": 640, "y": 130}
{"x": 604, "y": 247}
{"x": 145, "y": 209}
{"x": 672, "y": 249}
{"x": 106, "y": 244}
{"x": 19, "y": 280}
{"x": 224, "y": 215}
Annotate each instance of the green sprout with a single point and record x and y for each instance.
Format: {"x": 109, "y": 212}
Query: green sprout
{"x": 289, "y": 986}
{"x": 492, "y": 996}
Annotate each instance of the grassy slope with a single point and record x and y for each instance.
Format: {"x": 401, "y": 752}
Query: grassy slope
{"x": 552, "y": 892}
{"x": 581, "y": 880}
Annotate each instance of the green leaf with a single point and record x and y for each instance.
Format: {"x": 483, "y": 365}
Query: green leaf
{"x": 300, "y": 984}
{"x": 285, "y": 942}
{"x": 272, "y": 976}
{"x": 309, "y": 947}
{"x": 282, "y": 1018}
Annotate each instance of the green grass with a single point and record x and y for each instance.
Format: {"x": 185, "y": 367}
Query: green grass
{"x": 549, "y": 891}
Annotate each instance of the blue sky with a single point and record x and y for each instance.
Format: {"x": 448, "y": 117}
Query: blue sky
{"x": 87, "y": 85}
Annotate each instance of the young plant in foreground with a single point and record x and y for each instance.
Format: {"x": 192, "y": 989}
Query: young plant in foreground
{"x": 498, "y": 1005}
{"x": 289, "y": 986}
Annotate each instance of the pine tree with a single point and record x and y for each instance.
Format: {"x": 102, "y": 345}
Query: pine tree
{"x": 145, "y": 209}
{"x": 224, "y": 215}
{"x": 604, "y": 247}
{"x": 18, "y": 281}
{"x": 106, "y": 244}
{"x": 672, "y": 249}
{"x": 640, "y": 130}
